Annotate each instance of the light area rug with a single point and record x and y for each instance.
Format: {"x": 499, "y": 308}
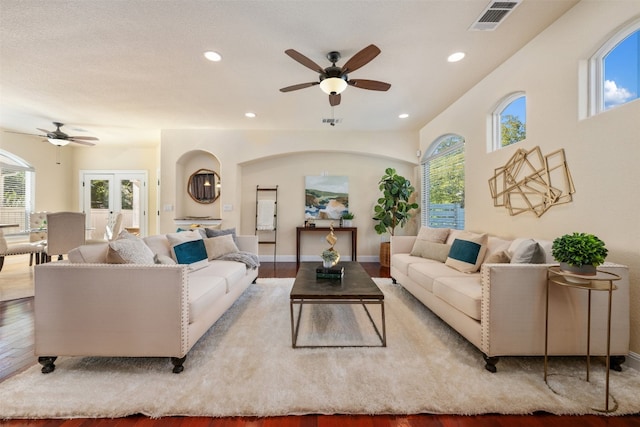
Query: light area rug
{"x": 245, "y": 366}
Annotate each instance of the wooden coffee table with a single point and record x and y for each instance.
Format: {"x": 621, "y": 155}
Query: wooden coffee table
{"x": 356, "y": 287}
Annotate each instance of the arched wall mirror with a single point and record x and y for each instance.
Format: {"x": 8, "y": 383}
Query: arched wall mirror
{"x": 204, "y": 186}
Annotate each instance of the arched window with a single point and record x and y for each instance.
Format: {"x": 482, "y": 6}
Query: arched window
{"x": 510, "y": 121}
{"x": 17, "y": 189}
{"x": 443, "y": 183}
{"x": 614, "y": 76}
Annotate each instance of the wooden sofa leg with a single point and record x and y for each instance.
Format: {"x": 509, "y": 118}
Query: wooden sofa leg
{"x": 490, "y": 363}
{"x": 47, "y": 363}
{"x": 394, "y": 281}
{"x": 1, "y": 262}
{"x": 178, "y": 363}
{"x": 615, "y": 362}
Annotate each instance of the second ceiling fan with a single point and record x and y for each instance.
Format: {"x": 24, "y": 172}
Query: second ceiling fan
{"x": 333, "y": 80}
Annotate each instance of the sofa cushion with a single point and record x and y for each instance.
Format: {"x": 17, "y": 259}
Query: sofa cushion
{"x": 436, "y": 235}
{"x": 129, "y": 251}
{"x": 94, "y": 253}
{"x": 159, "y": 244}
{"x": 232, "y": 272}
{"x": 430, "y": 250}
{"x": 401, "y": 262}
{"x": 204, "y": 292}
{"x": 219, "y": 246}
{"x": 500, "y": 257}
{"x": 163, "y": 259}
{"x": 467, "y": 252}
{"x": 425, "y": 273}
{"x": 528, "y": 252}
{"x": 463, "y": 293}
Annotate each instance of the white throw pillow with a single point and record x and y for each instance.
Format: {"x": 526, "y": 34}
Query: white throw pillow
{"x": 219, "y": 246}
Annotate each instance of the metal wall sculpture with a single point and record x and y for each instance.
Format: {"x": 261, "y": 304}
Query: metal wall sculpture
{"x": 531, "y": 182}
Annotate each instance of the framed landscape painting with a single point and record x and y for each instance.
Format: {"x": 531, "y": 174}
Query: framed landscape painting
{"x": 326, "y": 197}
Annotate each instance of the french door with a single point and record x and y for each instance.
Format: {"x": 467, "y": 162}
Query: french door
{"x": 104, "y": 193}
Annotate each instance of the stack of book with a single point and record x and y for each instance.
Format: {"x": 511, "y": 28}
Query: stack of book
{"x": 329, "y": 273}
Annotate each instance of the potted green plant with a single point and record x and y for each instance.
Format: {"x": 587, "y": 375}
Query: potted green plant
{"x": 393, "y": 208}
{"x": 579, "y": 253}
{"x": 330, "y": 257}
{"x": 347, "y": 218}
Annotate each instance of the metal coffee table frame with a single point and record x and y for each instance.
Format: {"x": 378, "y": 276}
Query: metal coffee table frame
{"x": 356, "y": 288}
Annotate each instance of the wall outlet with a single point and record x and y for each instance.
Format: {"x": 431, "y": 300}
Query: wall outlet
{"x": 167, "y": 208}
{"x": 227, "y": 208}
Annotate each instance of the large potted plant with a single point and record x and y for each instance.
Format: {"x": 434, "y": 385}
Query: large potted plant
{"x": 579, "y": 253}
{"x": 393, "y": 208}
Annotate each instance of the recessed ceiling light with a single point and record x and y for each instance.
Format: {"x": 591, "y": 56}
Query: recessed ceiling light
{"x": 250, "y": 115}
{"x": 213, "y": 56}
{"x": 455, "y": 57}
{"x": 403, "y": 116}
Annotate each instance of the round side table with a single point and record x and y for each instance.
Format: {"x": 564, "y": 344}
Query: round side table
{"x": 601, "y": 281}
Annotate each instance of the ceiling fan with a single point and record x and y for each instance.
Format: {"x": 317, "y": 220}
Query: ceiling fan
{"x": 59, "y": 138}
{"x": 334, "y": 80}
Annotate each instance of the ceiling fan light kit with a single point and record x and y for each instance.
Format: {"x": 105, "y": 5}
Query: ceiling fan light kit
{"x": 333, "y": 85}
{"x": 334, "y": 80}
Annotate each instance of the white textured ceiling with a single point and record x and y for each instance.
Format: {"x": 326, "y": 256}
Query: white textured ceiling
{"x": 124, "y": 70}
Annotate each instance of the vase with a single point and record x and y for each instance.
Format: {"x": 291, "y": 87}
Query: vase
{"x": 327, "y": 263}
{"x": 583, "y": 270}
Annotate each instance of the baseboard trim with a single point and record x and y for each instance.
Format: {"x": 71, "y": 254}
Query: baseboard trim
{"x": 633, "y": 361}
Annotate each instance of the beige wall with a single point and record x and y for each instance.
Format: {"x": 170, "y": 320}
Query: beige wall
{"x": 602, "y": 152}
{"x": 57, "y": 186}
{"x": 284, "y": 158}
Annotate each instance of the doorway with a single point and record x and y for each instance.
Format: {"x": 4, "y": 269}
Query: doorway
{"x": 104, "y": 193}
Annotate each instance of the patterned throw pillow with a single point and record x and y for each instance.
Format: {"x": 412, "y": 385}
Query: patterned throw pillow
{"x": 129, "y": 251}
{"x": 467, "y": 252}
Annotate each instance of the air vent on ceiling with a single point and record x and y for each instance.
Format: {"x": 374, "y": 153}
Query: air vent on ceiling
{"x": 332, "y": 122}
{"x": 493, "y": 15}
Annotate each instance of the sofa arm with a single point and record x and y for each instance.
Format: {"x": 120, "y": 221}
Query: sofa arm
{"x": 513, "y": 313}
{"x": 111, "y": 310}
{"x": 247, "y": 243}
{"x": 402, "y": 244}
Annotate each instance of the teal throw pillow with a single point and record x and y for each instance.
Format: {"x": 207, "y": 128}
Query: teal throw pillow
{"x": 190, "y": 251}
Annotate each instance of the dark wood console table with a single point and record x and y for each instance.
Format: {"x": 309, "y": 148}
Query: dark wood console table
{"x": 326, "y": 230}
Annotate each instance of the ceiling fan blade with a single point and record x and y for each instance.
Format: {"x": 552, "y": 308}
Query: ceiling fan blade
{"x": 298, "y": 86}
{"x": 297, "y": 56}
{"x": 335, "y": 99}
{"x": 84, "y": 138}
{"x": 23, "y": 133}
{"x": 90, "y": 144}
{"x": 46, "y": 132}
{"x": 369, "y": 84}
{"x": 360, "y": 59}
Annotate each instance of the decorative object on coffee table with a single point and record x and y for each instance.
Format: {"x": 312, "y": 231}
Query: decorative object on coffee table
{"x": 330, "y": 257}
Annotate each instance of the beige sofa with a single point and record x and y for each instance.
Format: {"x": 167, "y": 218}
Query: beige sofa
{"x": 501, "y": 308}
{"x": 93, "y": 308}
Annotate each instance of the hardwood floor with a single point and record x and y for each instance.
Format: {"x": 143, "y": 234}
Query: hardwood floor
{"x": 16, "y": 354}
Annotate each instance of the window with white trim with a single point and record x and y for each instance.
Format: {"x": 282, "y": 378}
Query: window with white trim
{"x": 443, "y": 183}
{"x": 17, "y": 188}
{"x": 509, "y": 121}
{"x": 614, "y": 76}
